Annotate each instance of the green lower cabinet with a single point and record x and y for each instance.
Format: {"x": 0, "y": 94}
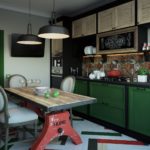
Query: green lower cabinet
{"x": 139, "y": 110}
{"x": 110, "y": 104}
{"x": 81, "y": 87}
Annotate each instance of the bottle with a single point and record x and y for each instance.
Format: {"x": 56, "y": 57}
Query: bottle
{"x": 144, "y": 47}
{"x": 55, "y": 63}
{"x": 148, "y": 46}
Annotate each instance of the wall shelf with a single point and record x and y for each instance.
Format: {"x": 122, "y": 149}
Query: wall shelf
{"x": 87, "y": 56}
{"x": 125, "y": 54}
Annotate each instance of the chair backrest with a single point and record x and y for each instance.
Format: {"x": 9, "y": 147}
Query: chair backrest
{"x": 3, "y": 99}
{"x": 68, "y": 84}
{"x": 17, "y": 80}
{"x": 4, "y": 104}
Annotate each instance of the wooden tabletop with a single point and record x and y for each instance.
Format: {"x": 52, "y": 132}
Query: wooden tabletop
{"x": 65, "y": 100}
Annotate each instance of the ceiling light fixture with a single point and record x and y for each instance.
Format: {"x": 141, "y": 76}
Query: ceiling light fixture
{"x": 53, "y": 31}
{"x": 29, "y": 38}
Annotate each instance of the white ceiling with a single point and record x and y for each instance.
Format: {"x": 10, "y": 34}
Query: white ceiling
{"x": 44, "y": 7}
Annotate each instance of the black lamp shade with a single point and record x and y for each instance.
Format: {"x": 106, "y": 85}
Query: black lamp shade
{"x": 53, "y": 32}
{"x": 29, "y": 39}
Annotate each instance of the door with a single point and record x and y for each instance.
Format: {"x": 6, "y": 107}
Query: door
{"x": 125, "y": 15}
{"x": 143, "y": 11}
{"x": 109, "y": 106}
{"x": 106, "y": 20}
{"x": 139, "y": 110}
{"x": 81, "y": 87}
{"x": 89, "y": 25}
{"x": 77, "y": 28}
{"x": 84, "y": 26}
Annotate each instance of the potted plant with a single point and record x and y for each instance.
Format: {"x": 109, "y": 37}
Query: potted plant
{"x": 142, "y": 74}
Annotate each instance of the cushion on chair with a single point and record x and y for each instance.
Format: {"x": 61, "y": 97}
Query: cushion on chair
{"x": 10, "y": 104}
{"x": 19, "y": 115}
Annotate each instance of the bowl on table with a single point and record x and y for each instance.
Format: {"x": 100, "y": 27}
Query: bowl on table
{"x": 41, "y": 90}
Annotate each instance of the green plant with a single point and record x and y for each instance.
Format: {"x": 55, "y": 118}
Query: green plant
{"x": 143, "y": 71}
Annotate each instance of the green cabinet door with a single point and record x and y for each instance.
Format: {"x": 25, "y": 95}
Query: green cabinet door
{"x": 81, "y": 87}
{"x": 110, "y": 104}
{"x": 139, "y": 110}
{"x": 1, "y": 58}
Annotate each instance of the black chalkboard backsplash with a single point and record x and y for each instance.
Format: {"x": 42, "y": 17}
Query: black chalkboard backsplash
{"x": 119, "y": 41}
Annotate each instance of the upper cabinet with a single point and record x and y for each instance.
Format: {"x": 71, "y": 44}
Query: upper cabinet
{"x": 117, "y": 17}
{"x": 106, "y": 20}
{"x": 125, "y": 15}
{"x": 84, "y": 26}
{"x": 57, "y": 44}
{"x": 143, "y": 11}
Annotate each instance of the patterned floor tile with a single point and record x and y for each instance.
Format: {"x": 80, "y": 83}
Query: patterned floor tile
{"x": 94, "y": 137}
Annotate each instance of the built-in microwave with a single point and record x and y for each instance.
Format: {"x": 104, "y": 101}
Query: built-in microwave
{"x": 119, "y": 41}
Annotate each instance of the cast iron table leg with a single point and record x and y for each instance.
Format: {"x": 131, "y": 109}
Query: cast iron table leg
{"x": 55, "y": 125}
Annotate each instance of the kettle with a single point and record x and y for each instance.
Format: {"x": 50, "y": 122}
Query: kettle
{"x": 114, "y": 73}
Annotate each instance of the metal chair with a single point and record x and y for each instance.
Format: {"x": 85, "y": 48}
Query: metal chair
{"x": 17, "y": 80}
{"x": 68, "y": 85}
{"x": 14, "y": 117}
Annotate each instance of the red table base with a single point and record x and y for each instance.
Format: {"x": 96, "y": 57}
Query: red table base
{"x": 56, "y": 125}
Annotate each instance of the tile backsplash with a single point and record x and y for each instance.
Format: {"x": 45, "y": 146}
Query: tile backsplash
{"x": 128, "y": 64}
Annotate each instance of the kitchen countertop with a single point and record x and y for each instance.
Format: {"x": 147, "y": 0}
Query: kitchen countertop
{"x": 135, "y": 84}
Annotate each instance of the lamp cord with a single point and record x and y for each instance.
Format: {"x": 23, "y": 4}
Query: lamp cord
{"x": 53, "y": 15}
{"x": 29, "y": 28}
{"x": 53, "y": 5}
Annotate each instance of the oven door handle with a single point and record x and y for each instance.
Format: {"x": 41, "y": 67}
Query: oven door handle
{"x": 55, "y": 75}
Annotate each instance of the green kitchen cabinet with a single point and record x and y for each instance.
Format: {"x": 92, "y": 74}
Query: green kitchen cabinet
{"x": 110, "y": 104}
{"x": 81, "y": 87}
{"x": 139, "y": 110}
{"x": 1, "y": 58}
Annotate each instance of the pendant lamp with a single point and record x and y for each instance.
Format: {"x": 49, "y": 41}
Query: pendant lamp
{"x": 29, "y": 38}
{"x": 53, "y": 31}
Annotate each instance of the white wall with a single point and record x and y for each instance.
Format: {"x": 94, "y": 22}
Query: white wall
{"x": 31, "y": 68}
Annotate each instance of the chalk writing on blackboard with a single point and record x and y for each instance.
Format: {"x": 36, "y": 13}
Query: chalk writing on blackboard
{"x": 119, "y": 41}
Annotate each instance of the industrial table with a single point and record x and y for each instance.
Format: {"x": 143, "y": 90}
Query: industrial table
{"x": 57, "y": 122}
